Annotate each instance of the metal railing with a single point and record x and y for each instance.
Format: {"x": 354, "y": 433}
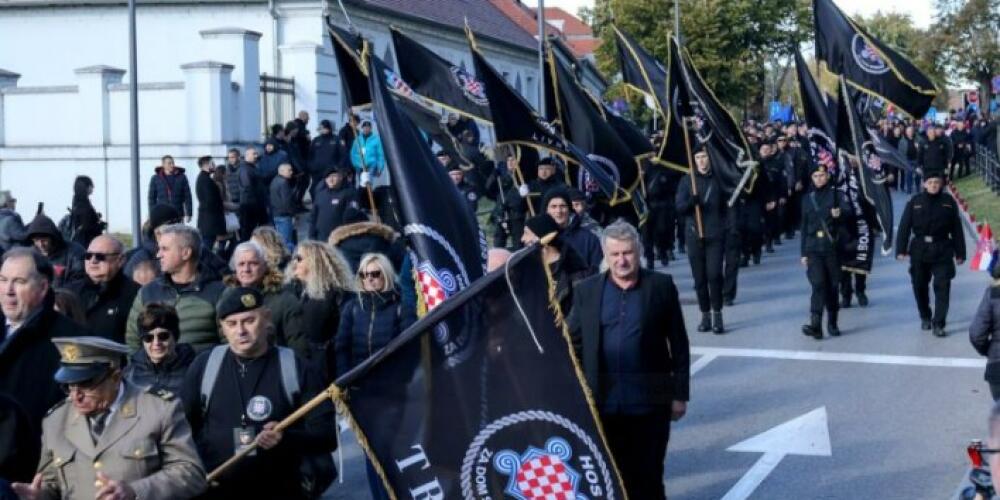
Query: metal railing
{"x": 277, "y": 101}
{"x": 986, "y": 164}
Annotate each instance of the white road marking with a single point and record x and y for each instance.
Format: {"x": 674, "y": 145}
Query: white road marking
{"x": 843, "y": 357}
{"x": 701, "y": 363}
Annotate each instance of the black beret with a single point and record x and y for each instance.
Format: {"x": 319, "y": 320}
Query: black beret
{"x": 237, "y": 300}
{"x": 932, "y": 174}
{"x": 542, "y": 225}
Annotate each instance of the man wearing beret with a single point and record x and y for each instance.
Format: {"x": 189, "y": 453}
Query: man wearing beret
{"x": 109, "y": 439}
{"x": 938, "y": 244}
{"x": 236, "y": 394}
{"x": 824, "y": 212}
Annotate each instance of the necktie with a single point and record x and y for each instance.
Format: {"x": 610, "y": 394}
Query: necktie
{"x": 97, "y": 425}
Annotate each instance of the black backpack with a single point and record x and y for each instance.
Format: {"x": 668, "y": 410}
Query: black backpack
{"x": 66, "y": 226}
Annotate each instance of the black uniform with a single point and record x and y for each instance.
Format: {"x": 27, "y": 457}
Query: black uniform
{"x": 937, "y": 242}
{"x": 658, "y": 232}
{"x": 749, "y": 210}
{"x": 509, "y": 211}
{"x": 774, "y": 168}
{"x": 329, "y": 207}
{"x": 470, "y": 194}
{"x": 705, "y": 254}
{"x": 246, "y": 395}
{"x": 797, "y": 168}
{"x": 819, "y": 235}
{"x": 538, "y": 188}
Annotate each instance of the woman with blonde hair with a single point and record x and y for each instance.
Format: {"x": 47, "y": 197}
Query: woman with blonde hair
{"x": 273, "y": 244}
{"x": 318, "y": 275}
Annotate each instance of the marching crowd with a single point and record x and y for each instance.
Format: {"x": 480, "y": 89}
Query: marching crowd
{"x": 294, "y": 272}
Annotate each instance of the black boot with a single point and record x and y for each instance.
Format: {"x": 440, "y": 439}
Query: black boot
{"x": 845, "y": 301}
{"x": 769, "y": 248}
{"x": 862, "y": 299}
{"x": 939, "y": 331}
{"x": 706, "y": 323}
{"x": 814, "y": 329}
{"x": 665, "y": 259}
{"x": 831, "y": 324}
{"x": 756, "y": 258}
{"x": 925, "y": 324}
{"x": 744, "y": 261}
{"x": 717, "y": 327}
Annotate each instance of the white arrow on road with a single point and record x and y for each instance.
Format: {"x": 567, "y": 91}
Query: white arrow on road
{"x": 804, "y": 435}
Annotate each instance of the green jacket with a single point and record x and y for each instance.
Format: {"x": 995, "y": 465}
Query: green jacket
{"x": 287, "y": 325}
{"x": 195, "y": 304}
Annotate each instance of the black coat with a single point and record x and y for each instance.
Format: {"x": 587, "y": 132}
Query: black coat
{"x": 325, "y": 152}
{"x": 984, "y": 333}
{"x": 282, "y": 197}
{"x": 665, "y": 352}
{"x": 935, "y": 218}
{"x": 18, "y": 451}
{"x": 106, "y": 305}
{"x": 935, "y": 155}
{"x": 66, "y": 256}
{"x": 328, "y": 209}
{"x": 168, "y": 375}
{"x": 711, "y": 199}
{"x": 321, "y": 318}
{"x": 173, "y": 190}
{"x": 368, "y": 322}
{"x": 28, "y": 362}
{"x": 211, "y": 213}
{"x": 86, "y": 221}
{"x": 821, "y": 232}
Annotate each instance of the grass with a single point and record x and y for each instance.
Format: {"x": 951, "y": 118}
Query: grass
{"x": 982, "y": 202}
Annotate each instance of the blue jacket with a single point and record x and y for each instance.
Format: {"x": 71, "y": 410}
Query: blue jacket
{"x": 267, "y": 165}
{"x": 173, "y": 190}
{"x": 374, "y": 158}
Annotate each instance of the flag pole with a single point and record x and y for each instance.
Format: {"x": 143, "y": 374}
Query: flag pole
{"x": 133, "y": 92}
{"x": 694, "y": 186}
{"x": 541, "y": 56}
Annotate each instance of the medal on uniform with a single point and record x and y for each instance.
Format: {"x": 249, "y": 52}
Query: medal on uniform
{"x": 259, "y": 408}
{"x": 243, "y": 437}
{"x": 819, "y": 234}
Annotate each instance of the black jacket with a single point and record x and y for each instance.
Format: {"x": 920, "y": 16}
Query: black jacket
{"x": 368, "y": 322}
{"x": 18, "y": 451}
{"x": 66, "y": 256}
{"x": 253, "y": 188}
{"x": 168, "y": 375}
{"x": 711, "y": 199}
{"x": 85, "y": 220}
{"x": 328, "y": 209}
{"x": 935, "y": 155}
{"x": 321, "y": 318}
{"x": 936, "y": 228}
{"x": 324, "y": 153}
{"x": 107, "y": 304}
{"x": 282, "y": 197}
{"x": 211, "y": 212}
{"x": 172, "y": 189}
{"x": 500, "y": 186}
{"x": 820, "y": 230}
{"x": 355, "y": 240}
{"x": 665, "y": 354}
{"x": 984, "y": 332}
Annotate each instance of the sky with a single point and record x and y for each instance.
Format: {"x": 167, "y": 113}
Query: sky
{"x": 920, "y": 10}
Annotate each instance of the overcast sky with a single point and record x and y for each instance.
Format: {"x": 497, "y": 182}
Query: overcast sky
{"x": 920, "y": 10}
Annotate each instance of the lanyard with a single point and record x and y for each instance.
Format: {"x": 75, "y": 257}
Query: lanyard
{"x": 253, "y": 388}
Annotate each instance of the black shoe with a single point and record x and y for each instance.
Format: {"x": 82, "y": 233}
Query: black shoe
{"x": 939, "y": 331}
{"x": 744, "y": 261}
{"x": 665, "y": 260}
{"x": 770, "y": 248}
{"x": 862, "y": 299}
{"x": 845, "y": 302}
{"x": 706, "y": 323}
{"x": 777, "y": 241}
{"x": 925, "y": 324}
{"x": 756, "y": 259}
{"x": 814, "y": 328}
{"x": 728, "y": 302}
{"x": 831, "y": 324}
{"x": 717, "y": 327}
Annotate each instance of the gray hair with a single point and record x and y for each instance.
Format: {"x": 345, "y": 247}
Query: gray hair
{"x": 188, "y": 237}
{"x": 620, "y": 230}
{"x": 248, "y": 246}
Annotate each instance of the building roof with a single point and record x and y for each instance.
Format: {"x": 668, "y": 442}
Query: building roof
{"x": 523, "y": 16}
{"x": 571, "y": 26}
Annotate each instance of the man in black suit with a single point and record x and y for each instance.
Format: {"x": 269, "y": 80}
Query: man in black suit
{"x": 628, "y": 332}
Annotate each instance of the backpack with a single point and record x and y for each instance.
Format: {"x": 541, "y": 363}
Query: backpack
{"x": 66, "y": 227}
{"x": 318, "y": 470}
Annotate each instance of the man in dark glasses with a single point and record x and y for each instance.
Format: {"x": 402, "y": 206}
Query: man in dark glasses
{"x": 105, "y": 293}
{"x": 109, "y": 438}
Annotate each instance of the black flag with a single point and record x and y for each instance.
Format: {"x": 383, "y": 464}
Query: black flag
{"x": 857, "y": 153}
{"x": 820, "y": 118}
{"x": 516, "y": 123}
{"x": 504, "y": 416}
{"x": 644, "y": 74}
{"x": 438, "y": 80}
{"x": 867, "y": 63}
{"x": 347, "y": 50}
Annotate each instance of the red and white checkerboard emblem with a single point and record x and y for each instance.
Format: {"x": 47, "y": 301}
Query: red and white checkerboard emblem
{"x": 434, "y": 294}
{"x": 545, "y": 478}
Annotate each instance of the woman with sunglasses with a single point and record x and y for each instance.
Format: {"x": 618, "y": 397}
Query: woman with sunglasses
{"x": 162, "y": 362}
{"x": 368, "y": 322}
{"x": 318, "y": 275}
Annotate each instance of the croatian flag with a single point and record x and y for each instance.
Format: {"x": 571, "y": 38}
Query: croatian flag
{"x": 986, "y": 251}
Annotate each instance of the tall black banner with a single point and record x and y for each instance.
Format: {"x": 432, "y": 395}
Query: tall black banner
{"x": 509, "y": 419}
{"x": 347, "y": 49}
{"x": 867, "y": 63}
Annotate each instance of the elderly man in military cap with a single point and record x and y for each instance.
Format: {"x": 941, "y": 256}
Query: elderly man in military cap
{"x": 236, "y": 394}
{"x": 112, "y": 441}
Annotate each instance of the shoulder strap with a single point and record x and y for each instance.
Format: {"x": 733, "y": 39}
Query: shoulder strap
{"x": 289, "y": 374}
{"x": 211, "y": 374}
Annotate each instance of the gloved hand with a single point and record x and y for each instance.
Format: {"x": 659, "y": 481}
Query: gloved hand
{"x": 366, "y": 178}
{"x": 523, "y": 190}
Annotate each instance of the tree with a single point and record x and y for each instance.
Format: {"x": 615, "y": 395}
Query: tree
{"x": 968, "y": 41}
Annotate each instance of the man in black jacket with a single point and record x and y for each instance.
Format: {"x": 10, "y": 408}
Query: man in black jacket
{"x": 28, "y": 359}
{"x": 283, "y": 204}
{"x": 938, "y": 244}
{"x": 823, "y": 212}
{"x": 325, "y": 153}
{"x": 628, "y": 332}
{"x": 106, "y": 294}
{"x": 211, "y": 211}
{"x": 936, "y": 153}
{"x": 333, "y": 197}
{"x": 253, "y": 195}
{"x": 961, "y": 142}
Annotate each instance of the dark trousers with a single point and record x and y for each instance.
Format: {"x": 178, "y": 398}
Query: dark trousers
{"x": 679, "y": 224}
{"x": 774, "y": 220}
{"x": 731, "y": 269}
{"x": 921, "y": 274}
{"x": 823, "y": 272}
{"x": 793, "y": 216}
{"x": 513, "y": 228}
{"x": 251, "y": 217}
{"x": 658, "y": 233}
{"x": 639, "y": 445}
{"x": 995, "y": 391}
{"x": 705, "y": 257}
{"x": 851, "y": 283}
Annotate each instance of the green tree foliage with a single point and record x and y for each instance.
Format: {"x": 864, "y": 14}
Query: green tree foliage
{"x": 966, "y": 34}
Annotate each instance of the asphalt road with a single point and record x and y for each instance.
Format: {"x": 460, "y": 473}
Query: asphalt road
{"x": 896, "y": 404}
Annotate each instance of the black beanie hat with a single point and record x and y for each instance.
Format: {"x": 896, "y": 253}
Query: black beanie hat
{"x": 556, "y": 193}
{"x": 163, "y": 214}
{"x": 542, "y": 225}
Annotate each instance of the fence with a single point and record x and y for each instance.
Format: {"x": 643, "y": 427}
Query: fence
{"x": 277, "y": 101}
{"x": 985, "y": 162}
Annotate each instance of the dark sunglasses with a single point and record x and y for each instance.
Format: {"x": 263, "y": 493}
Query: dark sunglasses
{"x": 99, "y": 257}
{"x": 86, "y": 385}
{"x": 161, "y": 336}
{"x": 372, "y": 275}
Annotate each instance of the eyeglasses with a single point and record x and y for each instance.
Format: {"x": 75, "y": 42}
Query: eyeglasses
{"x": 88, "y": 386}
{"x": 161, "y": 336}
{"x": 99, "y": 257}
{"x": 370, "y": 275}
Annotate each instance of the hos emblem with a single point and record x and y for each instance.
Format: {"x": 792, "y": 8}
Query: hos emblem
{"x": 569, "y": 465}
{"x": 259, "y": 408}
{"x": 867, "y": 56}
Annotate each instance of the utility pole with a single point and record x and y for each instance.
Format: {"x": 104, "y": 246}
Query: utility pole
{"x": 541, "y": 56}
{"x": 677, "y": 21}
{"x": 133, "y": 90}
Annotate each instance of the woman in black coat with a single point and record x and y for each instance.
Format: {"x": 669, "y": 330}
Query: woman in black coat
{"x": 320, "y": 278}
{"x": 211, "y": 212}
{"x": 161, "y": 363}
{"x": 85, "y": 220}
{"x": 984, "y": 333}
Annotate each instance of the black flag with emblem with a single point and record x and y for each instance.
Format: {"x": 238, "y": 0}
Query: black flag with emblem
{"x": 516, "y": 123}
{"x": 857, "y": 153}
{"x": 505, "y": 415}
{"x": 438, "y": 80}
{"x": 818, "y": 117}
{"x": 643, "y": 73}
{"x": 347, "y": 49}
{"x": 867, "y": 63}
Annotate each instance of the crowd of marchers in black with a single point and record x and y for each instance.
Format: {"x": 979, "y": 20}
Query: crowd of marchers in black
{"x": 308, "y": 223}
